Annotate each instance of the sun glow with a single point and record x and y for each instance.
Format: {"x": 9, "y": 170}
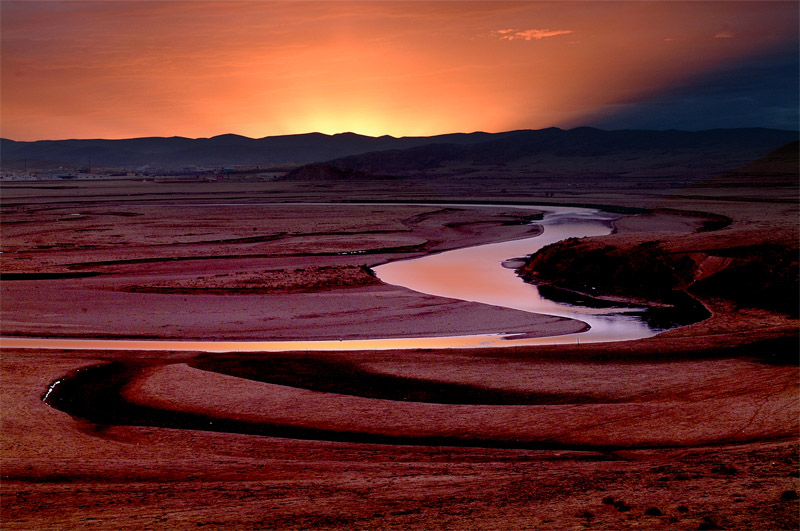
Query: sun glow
{"x": 361, "y": 122}
{"x": 201, "y": 68}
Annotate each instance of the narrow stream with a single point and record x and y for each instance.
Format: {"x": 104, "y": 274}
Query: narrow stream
{"x": 471, "y": 274}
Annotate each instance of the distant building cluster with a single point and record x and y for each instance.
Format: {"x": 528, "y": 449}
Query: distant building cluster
{"x": 53, "y": 175}
{"x": 192, "y": 173}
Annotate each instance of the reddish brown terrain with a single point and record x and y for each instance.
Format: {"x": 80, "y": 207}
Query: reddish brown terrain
{"x": 695, "y": 428}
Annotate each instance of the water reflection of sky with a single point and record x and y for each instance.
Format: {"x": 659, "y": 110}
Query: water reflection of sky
{"x": 475, "y": 274}
{"x": 472, "y": 274}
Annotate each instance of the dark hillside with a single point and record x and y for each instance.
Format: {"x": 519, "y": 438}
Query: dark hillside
{"x": 584, "y": 151}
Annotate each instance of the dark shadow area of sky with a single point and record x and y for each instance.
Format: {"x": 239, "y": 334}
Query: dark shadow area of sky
{"x": 760, "y": 92}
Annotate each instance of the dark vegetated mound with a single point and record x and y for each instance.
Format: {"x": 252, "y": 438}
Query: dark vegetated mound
{"x": 642, "y": 272}
{"x": 759, "y": 276}
{"x": 755, "y": 276}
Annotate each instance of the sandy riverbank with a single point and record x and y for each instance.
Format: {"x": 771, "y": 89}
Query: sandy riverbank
{"x": 301, "y": 276}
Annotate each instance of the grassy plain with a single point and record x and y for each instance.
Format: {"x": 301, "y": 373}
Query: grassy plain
{"x": 696, "y": 428}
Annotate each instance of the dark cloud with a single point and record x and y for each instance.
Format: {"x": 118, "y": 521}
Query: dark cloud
{"x": 761, "y": 92}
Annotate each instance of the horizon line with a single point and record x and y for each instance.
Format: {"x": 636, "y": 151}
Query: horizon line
{"x": 352, "y": 133}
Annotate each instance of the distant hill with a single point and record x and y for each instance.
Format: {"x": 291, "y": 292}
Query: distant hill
{"x": 220, "y": 150}
{"x": 784, "y": 161}
{"x": 552, "y": 152}
{"x": 584, "y": 151}
{"x": 321, "y": 171}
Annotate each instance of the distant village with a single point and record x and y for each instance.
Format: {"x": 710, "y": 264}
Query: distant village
{"x": 189, "y": 173}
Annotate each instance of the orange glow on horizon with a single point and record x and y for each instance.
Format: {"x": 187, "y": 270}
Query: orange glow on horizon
{"x": 198, "y": 68}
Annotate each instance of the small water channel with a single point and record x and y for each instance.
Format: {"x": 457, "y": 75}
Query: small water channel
{"x": 472, "y": 274}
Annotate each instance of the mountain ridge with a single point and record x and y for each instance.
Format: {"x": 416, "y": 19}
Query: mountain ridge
{"x": 584, "y": 151}
{"x": 388, "y": 154}
{"x": 225, "y": 149}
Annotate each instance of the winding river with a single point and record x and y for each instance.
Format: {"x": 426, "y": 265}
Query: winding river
{"x": 471, "y": 274}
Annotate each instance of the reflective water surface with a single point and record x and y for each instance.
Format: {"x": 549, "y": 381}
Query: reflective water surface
{"x": 471, "y": 274}
{"x": 475, "y": 274}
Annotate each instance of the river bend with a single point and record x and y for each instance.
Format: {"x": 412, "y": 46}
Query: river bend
{"x": 471, "y": 274}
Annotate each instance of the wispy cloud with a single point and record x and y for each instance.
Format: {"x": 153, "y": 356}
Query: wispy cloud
{"x": 724, "y": 35}
{"x": 528, "y": 35}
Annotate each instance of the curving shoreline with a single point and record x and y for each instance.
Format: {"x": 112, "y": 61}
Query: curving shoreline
{"x": 203, "y": 394}
{"x": 245, "y": 393}
{"x": 482, "y": 280}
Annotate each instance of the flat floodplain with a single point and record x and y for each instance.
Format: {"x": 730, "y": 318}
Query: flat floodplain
{"x": 694, "y": 427}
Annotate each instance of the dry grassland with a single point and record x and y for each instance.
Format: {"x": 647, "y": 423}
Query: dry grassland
{"x": 696, "y": 428}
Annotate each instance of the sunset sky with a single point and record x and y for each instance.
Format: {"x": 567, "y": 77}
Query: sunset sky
{"x": 117, "y": 69}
